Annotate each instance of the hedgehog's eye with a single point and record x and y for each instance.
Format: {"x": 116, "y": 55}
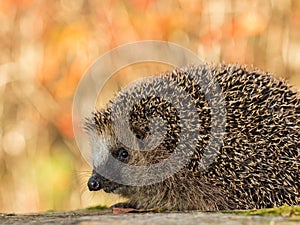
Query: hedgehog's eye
{"x": 123, "y": 155}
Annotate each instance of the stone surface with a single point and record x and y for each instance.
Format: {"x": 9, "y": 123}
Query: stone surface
{"x": 105, "y": 217}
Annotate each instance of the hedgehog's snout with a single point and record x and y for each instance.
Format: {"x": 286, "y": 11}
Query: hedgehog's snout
{"x": 95, "y": 182}
{"x": 98, "y": 182}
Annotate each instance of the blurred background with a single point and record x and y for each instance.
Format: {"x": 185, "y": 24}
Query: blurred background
{"x": 46, "y": 46}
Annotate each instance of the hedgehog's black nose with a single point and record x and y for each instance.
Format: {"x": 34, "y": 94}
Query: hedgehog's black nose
{"x": 94, "y": 183}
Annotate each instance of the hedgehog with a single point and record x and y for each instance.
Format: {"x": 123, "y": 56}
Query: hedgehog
{"x": 205, "y": 137}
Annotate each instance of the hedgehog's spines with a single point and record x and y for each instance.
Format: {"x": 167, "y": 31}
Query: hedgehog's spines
{"x": 259, "y": 161}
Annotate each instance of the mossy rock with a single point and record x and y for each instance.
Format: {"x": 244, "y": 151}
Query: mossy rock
{"x": 287, "y": 211}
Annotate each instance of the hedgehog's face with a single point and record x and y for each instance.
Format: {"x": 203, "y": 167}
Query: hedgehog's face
{"x": 111, "y": 164}
{"x": 99, "y": 181}
{"x": 115, "y": 166}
